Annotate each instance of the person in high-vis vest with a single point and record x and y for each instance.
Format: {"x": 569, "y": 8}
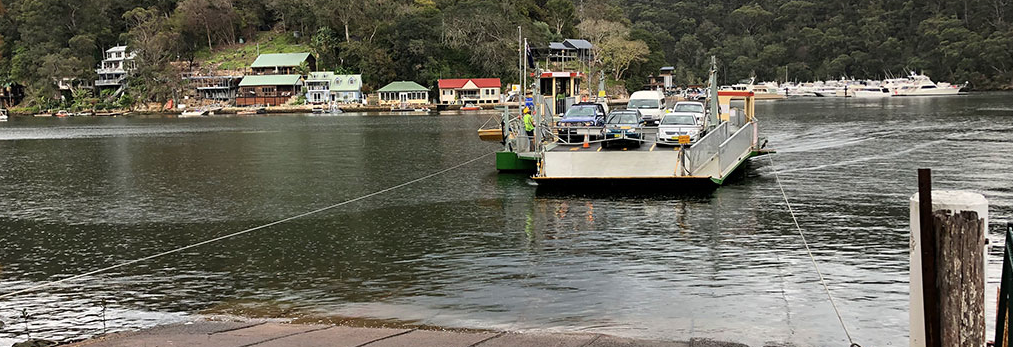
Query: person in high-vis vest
{"x": 529, "y": 127}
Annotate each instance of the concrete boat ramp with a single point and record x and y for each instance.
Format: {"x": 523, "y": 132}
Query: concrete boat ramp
{"x": 274, "y": 334}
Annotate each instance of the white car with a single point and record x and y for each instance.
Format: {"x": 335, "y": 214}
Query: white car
{"x": 695, "y": 107}
{"x": 675, "y": 124}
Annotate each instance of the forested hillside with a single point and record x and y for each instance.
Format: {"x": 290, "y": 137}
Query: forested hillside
{"x": 423, "y": 40}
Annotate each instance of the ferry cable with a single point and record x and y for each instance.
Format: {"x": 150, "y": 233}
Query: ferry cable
{"x": 180, "y": 249}
{"x": 823, "y": 281}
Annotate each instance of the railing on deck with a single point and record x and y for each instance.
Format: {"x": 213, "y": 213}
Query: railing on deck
{"x": 706, "y": 148}
{"x": 1005, "y": 290}
{"x": 733, "y": 147}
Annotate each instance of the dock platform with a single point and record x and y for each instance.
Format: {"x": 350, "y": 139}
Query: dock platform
{"x": 274, "y": 334}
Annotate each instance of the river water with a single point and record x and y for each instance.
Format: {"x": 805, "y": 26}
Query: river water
{"x": 472, "y": 248}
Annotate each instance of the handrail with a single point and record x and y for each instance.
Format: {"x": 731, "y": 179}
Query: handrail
{"x": 1002, "y": 338}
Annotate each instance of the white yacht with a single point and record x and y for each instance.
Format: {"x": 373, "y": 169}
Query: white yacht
{"x": 921, "y": 85}
{"x": 870, "y": 91}
{"x": 760, "y": 91}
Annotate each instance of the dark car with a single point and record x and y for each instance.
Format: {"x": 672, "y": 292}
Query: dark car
{"x": 581, "y": 119}
{"x": 624, "y": 127}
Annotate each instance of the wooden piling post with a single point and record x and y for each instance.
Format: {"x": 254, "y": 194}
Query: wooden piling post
{"x": 947, "y": 267}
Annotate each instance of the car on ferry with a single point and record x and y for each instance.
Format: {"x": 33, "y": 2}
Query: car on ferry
{"x": 675, "y": 124}
{"x": 650, "y": 103}
{"x": 581, "y": 119}
{"x": 694, "y": 107}
{"x": 624, "y": 127}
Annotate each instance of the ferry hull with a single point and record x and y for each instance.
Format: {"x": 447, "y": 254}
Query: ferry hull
{"x": 512, "y": 162}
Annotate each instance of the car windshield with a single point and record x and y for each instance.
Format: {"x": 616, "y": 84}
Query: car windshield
{"x": 580, "y": 111}
{"x": 688, "y": 108}
{"x": 623, "y": 118}
{"x": 678, "y": 120}
{"x": 642, "y": 103}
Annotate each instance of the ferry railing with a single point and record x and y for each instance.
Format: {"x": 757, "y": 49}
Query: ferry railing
{"x": 1002, "y": 332}
{"x": 706, "y": 148}
{"x": 730, "y": 150}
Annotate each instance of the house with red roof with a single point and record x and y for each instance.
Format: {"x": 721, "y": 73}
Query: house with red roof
{"x": 470, "y": 90}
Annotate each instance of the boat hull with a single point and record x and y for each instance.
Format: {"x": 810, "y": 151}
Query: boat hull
{"x": 930, "y": 92}
{"x": 869, "y": 95}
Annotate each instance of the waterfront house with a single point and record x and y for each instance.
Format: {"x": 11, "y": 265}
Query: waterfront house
{"x": 114, "y": 68}
{"x": 217, "y": 88}
{"x": 268, "y": 90}
{"x": 281, "y": 63}
{"x": 328, "y": 87}
{"x": 403, "y": 92}
{"x": 470, "y": 90}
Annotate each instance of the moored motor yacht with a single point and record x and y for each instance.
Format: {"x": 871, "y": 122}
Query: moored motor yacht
{"x": 869, "y": 92}
{"x": 921, "y": 85}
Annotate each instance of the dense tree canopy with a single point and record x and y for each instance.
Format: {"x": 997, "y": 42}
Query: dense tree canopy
{"x": 42, "y": 41}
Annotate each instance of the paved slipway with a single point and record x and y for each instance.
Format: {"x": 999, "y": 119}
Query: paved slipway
{"x": 274, "y": 334}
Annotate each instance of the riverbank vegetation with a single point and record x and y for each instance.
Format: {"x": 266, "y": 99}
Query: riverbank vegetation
{"x": 42, "y": 41}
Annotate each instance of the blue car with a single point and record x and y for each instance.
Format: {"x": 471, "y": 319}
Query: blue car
{"x": 580, "y": 120}
{"x": 624, "y": 128}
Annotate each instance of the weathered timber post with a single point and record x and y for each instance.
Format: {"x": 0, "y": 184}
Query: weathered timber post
{"x": 949, "y": 311}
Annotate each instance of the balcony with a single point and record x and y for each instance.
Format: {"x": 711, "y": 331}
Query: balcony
{"x": 109, "y": 82}
{"x": 110, "y": 71}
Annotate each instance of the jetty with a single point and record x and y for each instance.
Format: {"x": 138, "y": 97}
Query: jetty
{"x": 264, "y": 333}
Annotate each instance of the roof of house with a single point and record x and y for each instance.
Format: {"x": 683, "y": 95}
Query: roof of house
{"x": 117, "y": 49}
{"x": 558, "y": 46}
{"x": 280, "y": 59}
{"x": 403, "y": 86}
{"x": 336, "y": 82}
{"x": 455, "y": 83}
{"x": 269, "y": 80}
{"x": 668, "y": 68}
{"x": 577, "y": 44}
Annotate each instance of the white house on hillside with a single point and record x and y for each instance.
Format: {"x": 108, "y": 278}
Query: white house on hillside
{"x": 114, "y": 68}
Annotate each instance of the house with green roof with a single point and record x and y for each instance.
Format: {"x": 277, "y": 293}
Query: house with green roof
{"x": 327, "y": 87}
{"x": 403, "y": 92}
{"x": 281, "y": 63}
{"x": 268, "y": 90}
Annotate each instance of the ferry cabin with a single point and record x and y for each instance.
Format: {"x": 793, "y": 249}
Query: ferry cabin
{"x": 560, "y": 87}
{"x": 474, "y": 90}
{"x": 327, "y": 87}
{"x": 403, "y": 92}
{"x": 269, "y": 90}
{"x": 281, "y": 63}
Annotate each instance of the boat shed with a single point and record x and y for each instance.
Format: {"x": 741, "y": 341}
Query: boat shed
{"x": 403, "y": 92}
{"x": 281, "y": 63}
{"x": 473, "y": 90}
{"x": 268, "y": 90}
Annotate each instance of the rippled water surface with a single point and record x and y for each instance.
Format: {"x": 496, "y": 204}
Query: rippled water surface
{"x": 472, "y": 248}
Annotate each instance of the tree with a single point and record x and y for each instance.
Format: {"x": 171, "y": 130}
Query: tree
{"x": 154, "y": 44}
{"x": 215, "y": 18}
{"x": 325, "y": 44}
{"x": 560, "y": 14}
{"x": 619, "y": 53}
